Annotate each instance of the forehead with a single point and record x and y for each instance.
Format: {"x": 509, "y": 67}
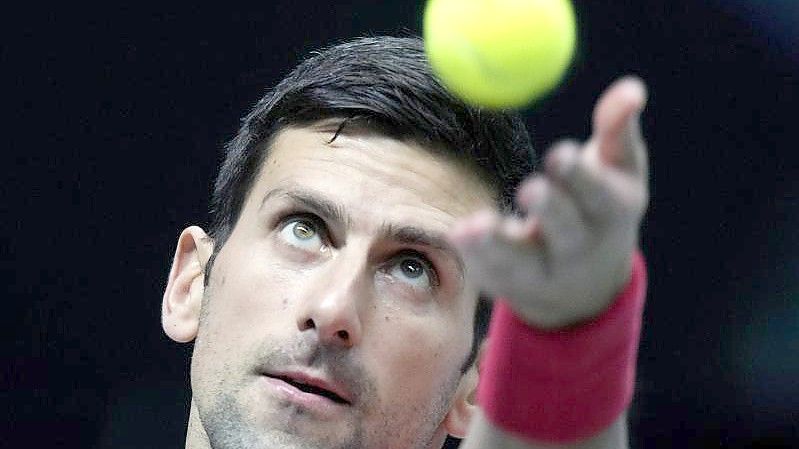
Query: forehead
{"x": 371, "y": 175}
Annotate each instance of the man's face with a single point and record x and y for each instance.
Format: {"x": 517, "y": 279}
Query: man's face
{"x": 336, "y": 314}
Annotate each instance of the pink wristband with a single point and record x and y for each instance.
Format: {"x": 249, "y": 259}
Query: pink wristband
{"x": 564, "y": 385}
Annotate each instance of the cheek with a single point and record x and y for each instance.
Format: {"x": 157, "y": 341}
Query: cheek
{"x": 243, "y": 303}
{"x": 412, "y": 357}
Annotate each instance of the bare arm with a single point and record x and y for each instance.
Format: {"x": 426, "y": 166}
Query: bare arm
{"x": 567, "y": 258}
{"x": 484, "y": 435}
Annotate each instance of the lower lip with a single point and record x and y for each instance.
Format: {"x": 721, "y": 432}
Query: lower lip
{"x": 312, "y": 402}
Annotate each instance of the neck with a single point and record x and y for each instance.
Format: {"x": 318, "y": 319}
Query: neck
{"x": 196, "y": 438}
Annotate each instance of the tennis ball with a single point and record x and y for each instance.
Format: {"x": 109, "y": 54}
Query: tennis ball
{"x": 499, "y": 53}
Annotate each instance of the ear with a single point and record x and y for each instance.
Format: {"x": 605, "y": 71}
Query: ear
{"x": 180, "y": 310}
{"x": 464, "y": 404}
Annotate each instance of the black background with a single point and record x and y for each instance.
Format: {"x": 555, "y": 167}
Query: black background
{"x": 114, "y": 122}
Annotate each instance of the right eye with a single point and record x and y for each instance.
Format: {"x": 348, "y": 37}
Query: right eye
{"x": 302, "y": 233}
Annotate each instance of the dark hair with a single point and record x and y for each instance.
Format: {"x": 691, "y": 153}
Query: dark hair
{"x": 387, "y": 85}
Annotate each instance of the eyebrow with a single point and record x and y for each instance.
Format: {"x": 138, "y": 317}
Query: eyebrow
{"x": 327, "y": 209}
{"x": 412, "y": 235}
{"x": 404, "y": 234}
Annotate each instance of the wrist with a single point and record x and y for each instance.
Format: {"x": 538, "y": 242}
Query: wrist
{"x": 580, "y": 298}
{"x": 566, "y": 384}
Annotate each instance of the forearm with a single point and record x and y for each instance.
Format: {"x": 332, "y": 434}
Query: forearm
{"x": 484, "y": 435}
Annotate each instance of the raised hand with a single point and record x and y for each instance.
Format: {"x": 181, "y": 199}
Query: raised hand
{"x": 567, "y": 257}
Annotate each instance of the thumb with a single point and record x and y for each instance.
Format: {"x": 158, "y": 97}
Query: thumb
{"x": 616, "y": 130}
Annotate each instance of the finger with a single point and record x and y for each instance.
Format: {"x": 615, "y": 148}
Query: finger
{"x": 601, "y": 194}
{"x": 573, "y": 169}
{"x": 561, "y": 159}
{"x": 616, "y": 128}
{"x": 501, "y": 267}
{"x": 488, "y": 227}
{"x": 498, "y": 252}
{"x": 471, "y": 230}
{"x": 524, "y": 231}
{"x": 558, "y": 217}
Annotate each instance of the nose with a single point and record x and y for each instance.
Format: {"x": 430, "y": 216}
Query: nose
{"x": 331, "y": 306}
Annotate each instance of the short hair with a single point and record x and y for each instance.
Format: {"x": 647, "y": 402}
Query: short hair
{"x": 384, "y": 84}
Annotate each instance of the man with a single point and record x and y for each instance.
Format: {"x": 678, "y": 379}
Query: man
{"x": 359, "y": 214}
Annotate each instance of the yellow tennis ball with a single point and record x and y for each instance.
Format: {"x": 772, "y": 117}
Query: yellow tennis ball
{"x": 500, "y": 53}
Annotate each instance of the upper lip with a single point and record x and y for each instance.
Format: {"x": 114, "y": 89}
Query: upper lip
{"x": 305, "y": 378}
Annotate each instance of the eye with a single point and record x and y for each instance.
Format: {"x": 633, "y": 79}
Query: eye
{"x": 414, "y": 270}
{"x": 303, "y": 233}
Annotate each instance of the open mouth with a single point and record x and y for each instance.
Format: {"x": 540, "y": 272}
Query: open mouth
{"x": 306, "y": 388}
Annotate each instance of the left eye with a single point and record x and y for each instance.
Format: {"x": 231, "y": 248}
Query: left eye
{"x": 414, "y": 270}
{"x": 302, "y": 233}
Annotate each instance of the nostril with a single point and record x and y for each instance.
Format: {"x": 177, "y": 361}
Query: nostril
{"x": 309, "y": 324}
{"x": 343, "y": 335}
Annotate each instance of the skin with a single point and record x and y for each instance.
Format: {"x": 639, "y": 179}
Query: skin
{"x": 337, "y": 303}
{"x": 406, "y": 337}
{"x": 568, "y": 258}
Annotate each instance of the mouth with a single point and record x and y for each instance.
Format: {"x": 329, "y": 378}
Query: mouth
{"x": 311, "y": 386}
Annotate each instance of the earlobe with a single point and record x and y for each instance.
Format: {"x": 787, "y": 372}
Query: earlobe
{"x": 180, "y": 310}
{"x": 464, "y": 405}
